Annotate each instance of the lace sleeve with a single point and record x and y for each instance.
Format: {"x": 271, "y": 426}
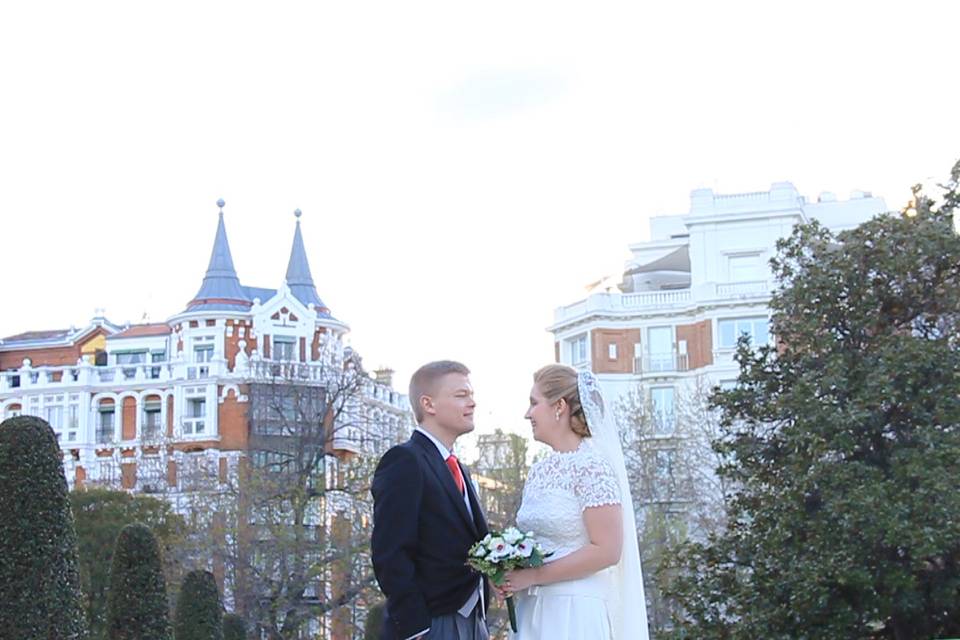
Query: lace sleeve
{"x": 596, "y": 484}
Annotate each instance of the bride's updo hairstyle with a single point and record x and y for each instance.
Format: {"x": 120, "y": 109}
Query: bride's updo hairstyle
{"x": 557, "y": 381}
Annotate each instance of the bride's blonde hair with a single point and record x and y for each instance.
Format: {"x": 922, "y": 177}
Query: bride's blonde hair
{"x": 557, "y": 381}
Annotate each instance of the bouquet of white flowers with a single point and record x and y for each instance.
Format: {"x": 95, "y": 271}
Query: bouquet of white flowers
{"x": 501, "y": 552}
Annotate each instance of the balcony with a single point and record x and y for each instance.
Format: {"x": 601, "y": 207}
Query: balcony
{"x": 626, "y": 304}
{"x": 285, "y": 371}
{"x": 599, "y": 302}
{"x": 655, "y": 363}
{"x": 743, "y": 289}
{"x": 105, "y": 434}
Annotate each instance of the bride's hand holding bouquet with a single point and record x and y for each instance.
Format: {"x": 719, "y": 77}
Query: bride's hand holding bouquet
{"x": 499, "y": 553}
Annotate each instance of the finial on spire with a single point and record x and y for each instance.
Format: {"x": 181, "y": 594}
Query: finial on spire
{"x": 220, "y": 204}
{"x": 298, "y": 213}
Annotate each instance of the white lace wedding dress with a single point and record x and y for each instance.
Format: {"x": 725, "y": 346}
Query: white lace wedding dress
{"x": 559, "y": 487}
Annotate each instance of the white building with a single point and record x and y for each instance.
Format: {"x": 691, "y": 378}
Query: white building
{"x": 687, "y": 293}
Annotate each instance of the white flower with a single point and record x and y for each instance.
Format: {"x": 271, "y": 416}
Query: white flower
{"x": 486, "y": 539}
{"x": 512, "y": 535}
{"x": 503, "y": 550}
{"x": 495, "y": 543}
{"x": 480, "y": 551}
{"x": 524, "y": 549}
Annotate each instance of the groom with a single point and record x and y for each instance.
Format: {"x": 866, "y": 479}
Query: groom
{"x": 426, "y": 516}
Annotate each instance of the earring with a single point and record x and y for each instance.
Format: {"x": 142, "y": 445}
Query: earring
{"x": 558, "y": 415}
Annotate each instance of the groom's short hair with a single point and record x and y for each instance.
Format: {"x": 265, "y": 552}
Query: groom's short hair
{"x": 425, "y": 378}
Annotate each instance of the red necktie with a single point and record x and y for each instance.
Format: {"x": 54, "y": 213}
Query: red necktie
{"x": 455, "y": 470}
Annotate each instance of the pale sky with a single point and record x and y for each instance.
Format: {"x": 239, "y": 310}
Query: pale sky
{"x": 462, "y": 168}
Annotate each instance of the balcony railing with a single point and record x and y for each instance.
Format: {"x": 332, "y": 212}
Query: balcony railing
{"x": 661, "y": 300}
{"x": 743, "y": 289}
{"x": 90, "y": 375}
{"x": 661, "y": 363}
{"x": 104, "y": 434}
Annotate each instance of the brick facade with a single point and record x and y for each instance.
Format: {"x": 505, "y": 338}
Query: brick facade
{"x": 623, "y": 340}
{"x": 699, "y": 339}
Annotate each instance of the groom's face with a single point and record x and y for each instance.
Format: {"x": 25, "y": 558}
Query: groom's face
{"x": 452, "y": 404}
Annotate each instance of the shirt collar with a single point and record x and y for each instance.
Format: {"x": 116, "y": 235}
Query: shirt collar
{"x": 444, "y": 452}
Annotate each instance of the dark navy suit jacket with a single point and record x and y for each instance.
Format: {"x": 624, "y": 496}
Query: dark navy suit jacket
{"x": 421, "y": 534}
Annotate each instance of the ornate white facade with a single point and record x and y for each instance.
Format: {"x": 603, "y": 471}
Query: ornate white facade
{"x": 152, "y": 407}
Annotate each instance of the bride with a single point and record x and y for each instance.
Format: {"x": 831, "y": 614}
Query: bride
{"x": 577, "y": 502}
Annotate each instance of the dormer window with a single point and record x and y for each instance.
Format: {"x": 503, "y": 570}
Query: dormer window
{"x": 284, "y": 348}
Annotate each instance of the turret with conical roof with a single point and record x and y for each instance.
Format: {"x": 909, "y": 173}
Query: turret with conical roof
{"x": 298, "y": 276}
{"x": 221, "y": 290}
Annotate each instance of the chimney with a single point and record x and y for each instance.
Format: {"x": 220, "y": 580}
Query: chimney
{"x": 384, "y": 376}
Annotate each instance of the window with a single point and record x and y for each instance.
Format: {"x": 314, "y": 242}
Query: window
{"x": 131, "y": 357}
{"x": 105, "y": 424}
{"x": 53, "y": 411}
{"x": 128, "y": 358}
{"x": 73, "y": 418}
{"x": 156, "y": 356}
{"x": 612, "y": 351}
{"x": 284, "y": 348}
{"x": 196, "y": 413}
{"x": 660, "y": 348}
{"x": 203, "y": 353}
{"x": 730, "y": 330}
{"x": 578, "y": 349}
{"x": 151, "y": 418}
{"x": 664, "y": 417}
{"x": 744, "y": 268}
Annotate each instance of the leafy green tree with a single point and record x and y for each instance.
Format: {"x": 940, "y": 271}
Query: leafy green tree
{"x": 199, "y": 616}
{"x": 137, "y": 606}
{"x": 39, "y": 580}
{"x": 100, "y": 516}
{"x": 234, "y": 628}
{"x": 842, "y": 443}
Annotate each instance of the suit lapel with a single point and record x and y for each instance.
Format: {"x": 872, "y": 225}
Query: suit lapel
{"x": 439, "y": 468}
{"x": 479, "y": 518}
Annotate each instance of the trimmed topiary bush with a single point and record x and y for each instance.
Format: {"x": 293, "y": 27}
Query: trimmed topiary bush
{"x": 234, "y": 628}
{"x": 137, "y": 601}
{"x": 198, "y": 616}
{"x": 374, "y": 623}
{"x": 39, "y": 579}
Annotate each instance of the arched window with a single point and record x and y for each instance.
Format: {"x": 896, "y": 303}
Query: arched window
{"x": 106, "y": 415}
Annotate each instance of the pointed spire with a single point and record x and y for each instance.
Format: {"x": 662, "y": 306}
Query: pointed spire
{"x": 298, "y": 272}
{"x": 220, "y": 284}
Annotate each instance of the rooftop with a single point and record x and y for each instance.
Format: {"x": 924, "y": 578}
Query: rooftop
{"x": 143, "y": 330}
